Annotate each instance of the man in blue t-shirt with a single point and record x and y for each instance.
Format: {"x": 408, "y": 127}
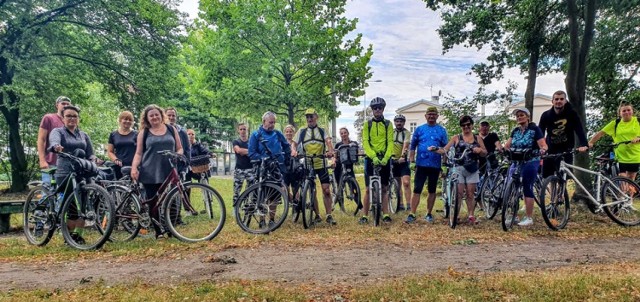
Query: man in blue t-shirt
{"x": 428, "y": 139}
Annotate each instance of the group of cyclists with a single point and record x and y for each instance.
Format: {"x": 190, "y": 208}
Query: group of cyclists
{"x": 388, "y": 148}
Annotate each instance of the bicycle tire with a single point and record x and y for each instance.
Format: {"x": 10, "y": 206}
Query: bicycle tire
{"x": 45, "y": 218}
{"x": 554, "y": 203}
{"x": 376, "y": 202}
{"x": 308, "y": 200}
{"x": 510, "y": 204}
{"x": 297, "y": 209}
{"x": 249, "y": 217}
{"x": 127, "y": 219}
{"x": 625, "y": 212}
{"x": 203, "y": 223}
{"x": 445, "y": 199}
{"x": 337, "y": 196}
{"x": 490, "y": 196}
{"x": 395, "y": 199}
{"x": 97, "y": 212}
{"x": 351, "y": 191}
{"x": 454, "y": 207}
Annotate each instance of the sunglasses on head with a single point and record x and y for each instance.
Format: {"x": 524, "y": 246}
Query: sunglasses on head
{"x": 377, "y": 107}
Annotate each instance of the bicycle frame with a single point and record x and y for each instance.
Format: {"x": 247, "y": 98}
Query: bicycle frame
{"x": 565, "y": 169}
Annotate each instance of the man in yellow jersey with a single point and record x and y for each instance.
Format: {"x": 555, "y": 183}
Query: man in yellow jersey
{"x": 377, "y": 140}
{"x": 401, "y": 171}
{"x": 316, "y": 141}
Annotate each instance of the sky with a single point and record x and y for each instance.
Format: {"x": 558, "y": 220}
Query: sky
{"x": 408, "y": 60}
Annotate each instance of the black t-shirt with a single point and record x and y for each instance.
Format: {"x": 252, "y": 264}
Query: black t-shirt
{"x": 490, "y": 142}
{"x": 124, "y": 146}
{"x": 242, "y": 161}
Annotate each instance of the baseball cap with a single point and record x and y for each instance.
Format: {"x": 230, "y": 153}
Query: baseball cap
{"x": 433, "y": 109}
{"x": 310, "y": 111}
{"x": 62, "y": 98}
{"x": 525, "y": 110}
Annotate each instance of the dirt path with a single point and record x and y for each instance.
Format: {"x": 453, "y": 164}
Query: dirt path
{"x": 320, "y": 265}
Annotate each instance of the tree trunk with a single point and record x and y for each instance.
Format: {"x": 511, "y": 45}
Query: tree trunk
{"x": 19, "y": 173}
{"x": 531, "y": 81}
{"x": 576, "y": 80}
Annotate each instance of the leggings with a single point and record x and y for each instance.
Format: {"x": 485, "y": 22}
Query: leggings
{"x": 529, "y": 173}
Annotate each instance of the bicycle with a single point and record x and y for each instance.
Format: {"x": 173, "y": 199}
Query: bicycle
{"x": 308, "y": 197}
{"x": 375, "y": 194}
{"x": 263, "y": 206}
{"x": 513, "y": 189}
{"x": 347, "y": 186}
{"x": 452, "y": 202}
{"x": 617, "y": 196}
{"x": 205, "y": 210}
{"x": 395, "y": 198}
{"x": 491, "y": 188}
{"x": 82, "y": 210}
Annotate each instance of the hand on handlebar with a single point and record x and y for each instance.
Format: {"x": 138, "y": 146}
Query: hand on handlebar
{"x": 583, "y": 149}
{"x": 384, "y": 161}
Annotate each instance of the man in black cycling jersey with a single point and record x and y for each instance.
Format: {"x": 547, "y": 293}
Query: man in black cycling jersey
{"x": 377, "y": 140}
{"x": 401, "y": 171}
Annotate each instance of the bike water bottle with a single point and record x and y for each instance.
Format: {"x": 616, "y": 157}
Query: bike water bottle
{"x": 59, "y": 202}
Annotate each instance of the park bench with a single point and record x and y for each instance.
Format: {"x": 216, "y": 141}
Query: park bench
{"x": 8, "y": 207}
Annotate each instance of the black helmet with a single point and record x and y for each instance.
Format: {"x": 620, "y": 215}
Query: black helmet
{"x": 378, "y": 101}
{"x": 400, "y": 117}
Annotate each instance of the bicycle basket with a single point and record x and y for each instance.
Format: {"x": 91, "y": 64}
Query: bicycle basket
{"x": 199, "y": 164}
{"x": 349, "y": 155}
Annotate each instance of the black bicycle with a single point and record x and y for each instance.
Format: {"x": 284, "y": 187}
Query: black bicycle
{"x": 513, "y": 188}
{"x": 82, "y": 210}
{"x": 347, "y": 186}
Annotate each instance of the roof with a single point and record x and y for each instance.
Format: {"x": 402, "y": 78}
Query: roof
{"x": 418, "y": 103}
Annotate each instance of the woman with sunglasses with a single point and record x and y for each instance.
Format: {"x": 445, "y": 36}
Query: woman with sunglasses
{"x": 468, "y": 175}
{"x": 625, "y": 128}
{"x": 527, "y": 136}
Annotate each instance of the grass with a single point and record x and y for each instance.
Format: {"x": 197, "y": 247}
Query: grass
{"x": 583, "y": 225}
{"x": 612, "y": 282}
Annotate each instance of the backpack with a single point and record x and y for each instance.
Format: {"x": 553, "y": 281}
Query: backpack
{"x": 145, "y": 135}
{"x": 303, "y": 135}
{"x": 386, "y": 126}
{"x": 395, "y": 136}
{"x": 615, "y": 129}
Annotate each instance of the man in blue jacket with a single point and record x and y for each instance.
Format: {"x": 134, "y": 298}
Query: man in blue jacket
{"x": 274, "y": 139}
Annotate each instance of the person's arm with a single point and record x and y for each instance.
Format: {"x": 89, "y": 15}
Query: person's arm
{"x": 498, "y": 144}
{"x": 452, "y": 141}
{"x": 507, "y": 145}
{"x": 112, "y": 155}
{"x": 389, "y": 152}
{"x": 137, "y": 157}
{"x": 89, "y": 152}
{"x": 542, "y": 123}
{"x": 55, "y": 140}
{"x": 254, "y": 151}
{"x": 42, "y": 145}
{"x": 542, "y": 144}
{"x": 329, "y": 143}
{"x": 176, "y": 136}
{"x": 594, "y": 139}
{"x": 413, "y": 145}
{"x": 366, "y": 146}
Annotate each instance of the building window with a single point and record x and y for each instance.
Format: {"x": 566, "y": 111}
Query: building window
{"x": 412, "y": 126}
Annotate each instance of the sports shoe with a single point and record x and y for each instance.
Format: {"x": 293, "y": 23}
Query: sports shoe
{"x": 363, "y": 220}
{"x": 410, "y": 219}
{"x": 77, "y": 238}
{"x": 386, "y": 219}
{"x": 330, "y": 220}
{"x": 429, "y": 218}
{"x": 527, "y": 221}
{"x": 318, "y": 219}
{"x": 472, "y": 220}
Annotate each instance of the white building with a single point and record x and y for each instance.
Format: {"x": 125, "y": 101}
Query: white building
{"x": 415, "y": 111}
{"x": 541, "y": 103}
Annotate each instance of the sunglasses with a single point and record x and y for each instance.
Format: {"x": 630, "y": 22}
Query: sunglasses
{"x": 466, "y": 125}
{"x": 377, "y": 107}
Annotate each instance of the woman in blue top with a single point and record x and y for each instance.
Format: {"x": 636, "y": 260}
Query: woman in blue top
{"x": 527, "y": 136}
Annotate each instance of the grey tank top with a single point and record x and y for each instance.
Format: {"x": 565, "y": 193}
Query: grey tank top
{"x": 156, "y": 167}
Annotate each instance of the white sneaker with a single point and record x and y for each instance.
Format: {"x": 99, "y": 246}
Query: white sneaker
{"x": 527, "y": 221}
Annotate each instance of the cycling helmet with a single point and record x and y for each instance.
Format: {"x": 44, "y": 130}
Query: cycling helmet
{"x": 378, "y": 101}
{"x": 400, "y": 117}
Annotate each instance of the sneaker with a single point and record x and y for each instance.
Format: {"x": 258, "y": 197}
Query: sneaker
{"x": 77, "y": 238}
{"x": 330, "y": 220}
{"x": 527, "y": 221}
{"x": 318, "y": 219}
{"x": 363, "y": 220}
{"x": 400, "y": 208}
{"x": 410, "y": 219}
{"x": 386, "y": 219}
{"x": 272, "y": 224}
{"x": 429, "y": 218}
{"x": 472, "y": 220}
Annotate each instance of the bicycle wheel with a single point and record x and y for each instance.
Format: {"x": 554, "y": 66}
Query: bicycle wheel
{"x": 394, "y": 195}
{"x": 308, "y": 199}
{"x": 376, "y": 202}
{"x": 454, "y": 207}
{"x": 510, "y": 204}
{"x": 621, "y": 201}
{"x": 337, "y": 196}
{"x": 38, "y": 218}
{"x": 87, "y": 223}
{"x": 445, "y": 198}
{"x": 490, "y": 195}
{"x": 554, "y": 203}
{"x": 261, "y": 208}
{"x": 351, "y": 191}
{"x": 296, "y": 205}
{"x": 127, "y": 219}
{"x": 195, "y": 214}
